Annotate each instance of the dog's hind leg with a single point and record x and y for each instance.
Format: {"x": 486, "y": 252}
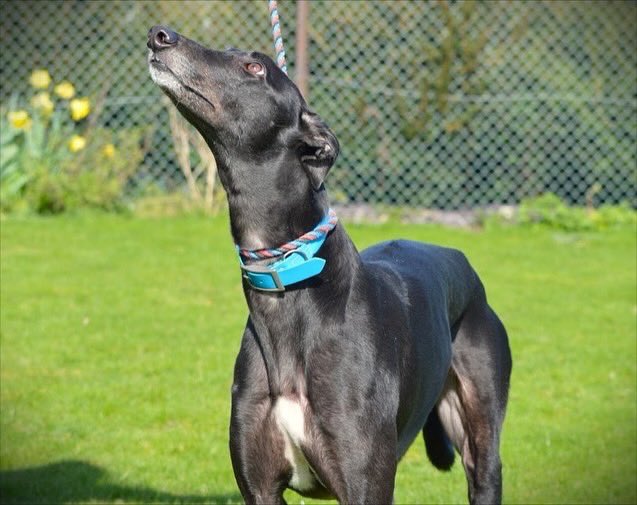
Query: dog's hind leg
{"x": 472, "y": 405}
{"x": 437, "y": 443}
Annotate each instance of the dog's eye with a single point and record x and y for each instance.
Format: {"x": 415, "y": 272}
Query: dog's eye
{"x": 255, "y": 68}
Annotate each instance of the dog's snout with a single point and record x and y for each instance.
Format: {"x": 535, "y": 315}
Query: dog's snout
{"x": 161, "y": 37}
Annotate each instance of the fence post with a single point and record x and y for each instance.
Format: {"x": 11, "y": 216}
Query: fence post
{"x": 301, "y": 66}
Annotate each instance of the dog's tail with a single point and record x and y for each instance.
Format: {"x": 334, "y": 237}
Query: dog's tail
{"x": 439, "y": 448}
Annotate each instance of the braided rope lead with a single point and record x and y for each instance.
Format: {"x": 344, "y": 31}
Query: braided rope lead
{"x": 276, "y": 36}
{"x": 320, "y": 230}
{"x": 310, "y": 236}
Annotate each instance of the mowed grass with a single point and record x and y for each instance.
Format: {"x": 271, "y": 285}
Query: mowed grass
{"x": 118, "y": 337}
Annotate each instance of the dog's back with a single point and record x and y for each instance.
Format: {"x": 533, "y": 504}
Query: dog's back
{"x": 413, "y": 280}
{"x": 436, "y": 271}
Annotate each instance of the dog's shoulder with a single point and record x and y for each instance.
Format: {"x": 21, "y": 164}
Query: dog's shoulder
{"x": 434, "y": 268}
{"x": 415, "y": 254}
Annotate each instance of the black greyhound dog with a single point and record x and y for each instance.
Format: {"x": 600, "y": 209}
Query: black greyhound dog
{"x": 345, "y": 357}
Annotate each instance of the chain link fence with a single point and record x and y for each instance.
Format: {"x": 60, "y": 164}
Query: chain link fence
{"x": 436, "y": 104}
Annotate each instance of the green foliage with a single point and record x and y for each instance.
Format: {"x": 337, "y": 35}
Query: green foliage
{"x": 473, "y": 103}
{"x": 455, "y": 54}
{"x": 54, "y": 158}
{"x": 550, "y": 210}
{"x": 92, "y": 178}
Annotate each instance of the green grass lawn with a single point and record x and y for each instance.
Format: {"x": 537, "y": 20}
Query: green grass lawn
{"x": 118, "y": 338}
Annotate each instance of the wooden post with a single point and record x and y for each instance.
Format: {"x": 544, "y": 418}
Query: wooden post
{"x": 302, "y": 64}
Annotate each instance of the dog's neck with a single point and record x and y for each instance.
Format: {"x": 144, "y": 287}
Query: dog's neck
{"x": 266, "y": 224}
{"x": 287, "y": 333}
{"x": 271, "y": 202}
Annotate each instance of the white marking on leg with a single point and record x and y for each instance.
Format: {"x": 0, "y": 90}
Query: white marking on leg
{"x": 291, "y": 421}
{"x": 451, "y": 415}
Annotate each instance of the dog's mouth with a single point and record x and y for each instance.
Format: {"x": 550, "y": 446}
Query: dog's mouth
{"x": 170, "y": 81}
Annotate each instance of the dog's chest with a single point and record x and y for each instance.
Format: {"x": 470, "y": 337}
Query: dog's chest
{"x": 290, "y": 417}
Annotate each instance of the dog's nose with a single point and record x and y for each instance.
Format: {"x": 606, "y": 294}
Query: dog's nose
{"x": 161, "y": 37}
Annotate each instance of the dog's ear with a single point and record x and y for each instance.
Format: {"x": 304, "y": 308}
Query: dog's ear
{"x": 319, "y": 147}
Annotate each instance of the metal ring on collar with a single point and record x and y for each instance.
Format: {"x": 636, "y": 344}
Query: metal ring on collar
{"x": 295, "y": 251}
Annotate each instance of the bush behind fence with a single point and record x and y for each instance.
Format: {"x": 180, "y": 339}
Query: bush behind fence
{"x": 436, "y": 104}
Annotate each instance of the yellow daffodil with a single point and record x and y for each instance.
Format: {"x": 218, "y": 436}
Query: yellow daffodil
{"x": 40, "y": 79}
{"x": 77, "y": 143}
{"x": 43, "y": 102}
{"x": 65, "y": 90}
{"x": 80, "y": 108}
{"x": 108, "y": 150}
{"x": 19, "y": 119}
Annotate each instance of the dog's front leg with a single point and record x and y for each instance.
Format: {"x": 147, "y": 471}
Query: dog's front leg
{"x": 256, "y": 444}
{"x": 354, "y": 434}
{"x": 360, "y": 467}
{"x": 257, "y": 459}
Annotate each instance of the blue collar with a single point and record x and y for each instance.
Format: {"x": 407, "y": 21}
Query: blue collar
{"x": 296, "y": 266}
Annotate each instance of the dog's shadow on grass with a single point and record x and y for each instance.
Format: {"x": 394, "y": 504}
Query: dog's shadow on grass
{"x": 81, "y": 482}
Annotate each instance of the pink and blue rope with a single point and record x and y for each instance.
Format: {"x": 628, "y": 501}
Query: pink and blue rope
{"x": 276, "y": 35}
{"x": 316, "y": 233}
{"x": 320, "y": 230}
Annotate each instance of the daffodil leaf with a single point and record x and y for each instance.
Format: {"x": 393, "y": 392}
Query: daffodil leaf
{"x": 13, "y": 185}
{"x": 7, "y": 135}
{"x": 7, "y": 154}
{"x": 7, "y": 168}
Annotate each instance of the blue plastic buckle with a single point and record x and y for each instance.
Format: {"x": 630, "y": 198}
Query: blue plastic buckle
{"x": 257, "y": 271}
{"x": 294, "y": 267}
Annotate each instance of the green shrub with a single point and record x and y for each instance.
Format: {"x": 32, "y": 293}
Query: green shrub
{"x": 549, "y": 210}
{"x": 53, "y": 157}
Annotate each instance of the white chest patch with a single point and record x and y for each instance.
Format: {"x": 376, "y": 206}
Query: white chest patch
{"x": 291, "y": 421}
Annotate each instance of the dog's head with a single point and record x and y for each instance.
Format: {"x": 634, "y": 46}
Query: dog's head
{"x": 242, "y": 103}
